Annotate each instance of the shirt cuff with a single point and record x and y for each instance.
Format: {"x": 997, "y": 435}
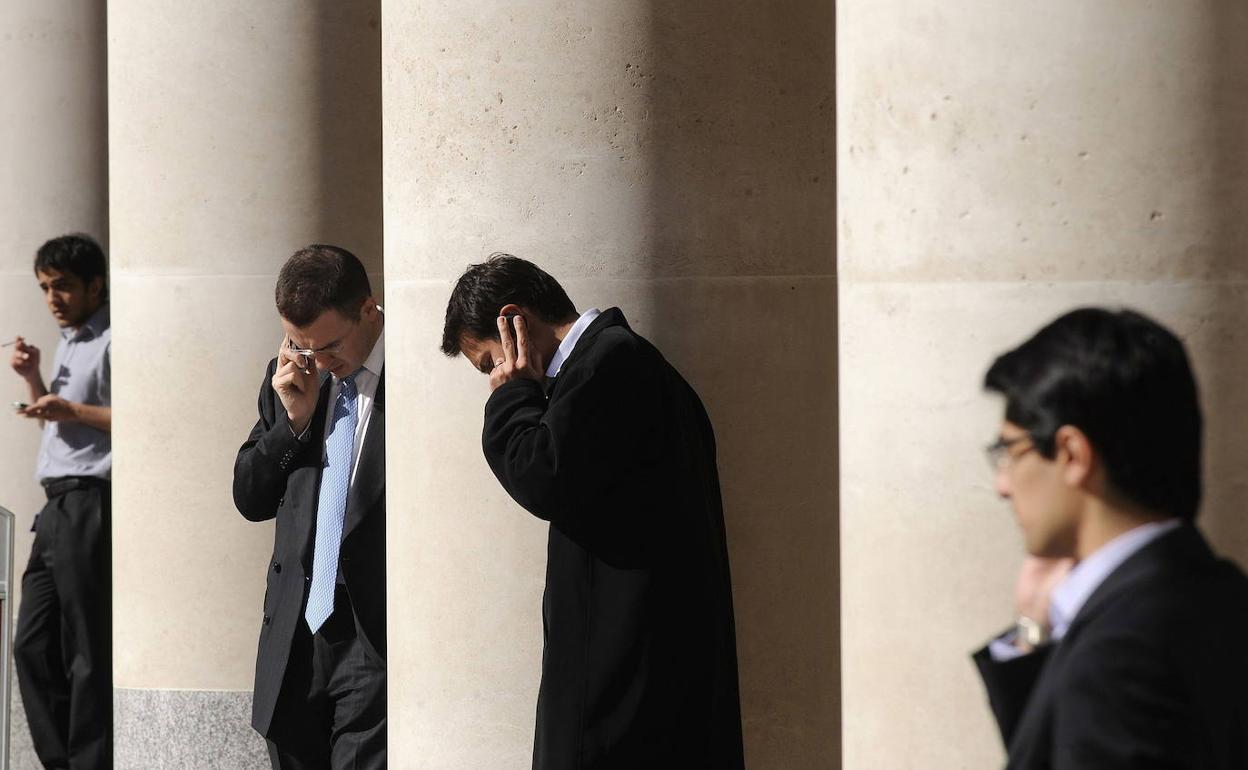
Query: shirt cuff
{"x": 302, "y": 437}
{"x": 1002, "y": 648}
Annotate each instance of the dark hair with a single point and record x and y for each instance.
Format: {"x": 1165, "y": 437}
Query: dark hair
{"x": 318, "y": 278}
{"x": 75, "y": 253}
{"x": 1125, "y": 381}
{"x": 485, "y": 288}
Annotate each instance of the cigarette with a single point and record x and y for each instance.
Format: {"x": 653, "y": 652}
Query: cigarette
{"x": 10, "y": 342}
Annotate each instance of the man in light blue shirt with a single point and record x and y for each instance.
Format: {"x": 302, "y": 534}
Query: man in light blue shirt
{"x": 63, "y": 644}
{"x": 1128, "y": 650}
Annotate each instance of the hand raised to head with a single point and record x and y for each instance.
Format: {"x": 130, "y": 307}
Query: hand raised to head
{"x": 520, "y": 360}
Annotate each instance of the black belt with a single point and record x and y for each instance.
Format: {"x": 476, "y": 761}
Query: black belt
{"x": 62, "y": 484}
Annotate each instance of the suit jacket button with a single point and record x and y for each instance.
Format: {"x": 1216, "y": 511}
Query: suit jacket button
{"x": 277, "y": 567}
{"x": 267, "y": 619}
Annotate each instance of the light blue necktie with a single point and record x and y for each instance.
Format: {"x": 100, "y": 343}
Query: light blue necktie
{"x": 331, "y": 509}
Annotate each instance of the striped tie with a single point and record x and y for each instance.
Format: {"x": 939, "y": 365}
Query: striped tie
{"x": 332, "y": 506}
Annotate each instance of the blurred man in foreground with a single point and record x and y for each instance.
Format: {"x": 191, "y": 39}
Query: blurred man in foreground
{"x": 1128, "y": 651}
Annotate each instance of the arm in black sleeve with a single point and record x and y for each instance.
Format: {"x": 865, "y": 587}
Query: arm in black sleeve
{"x": 1009, "y": 684}
{"x": 565, "y": 455}
{"x": 265, "y": 459}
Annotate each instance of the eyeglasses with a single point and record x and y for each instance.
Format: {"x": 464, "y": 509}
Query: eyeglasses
{"x": 306, "y": 357}
{"x": 999, "y": 457}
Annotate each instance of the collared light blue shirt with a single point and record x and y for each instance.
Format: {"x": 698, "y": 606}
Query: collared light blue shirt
{"x": 569, "y": 342}
{"x": 80, "y": 373}
{"x": 1073, "y": 592}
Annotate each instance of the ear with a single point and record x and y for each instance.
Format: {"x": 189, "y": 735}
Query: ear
{"x": 95, "y": 289}
{"x": 1075, "y": 454}
{"x": 511, "y": 308}
{"x": 368, "y": 308}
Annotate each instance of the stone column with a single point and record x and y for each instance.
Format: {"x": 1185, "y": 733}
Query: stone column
{"x": 53, "y": 181}
{"x": 675, "y": 161}
{"x": 240, "y": 131}
{"x": 1001, "y": 164}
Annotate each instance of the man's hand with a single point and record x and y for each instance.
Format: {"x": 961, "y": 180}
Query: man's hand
{"x": 53, "y": 408}
{"x": 25, "y": 360}
{"x": 519, "y": 361}
{"x": 1036, "y": 581}
{"x": 296, "y": 387}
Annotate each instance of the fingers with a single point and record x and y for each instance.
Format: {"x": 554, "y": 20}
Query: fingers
{"x": 522, "y": 343}
{"x": 289, "y": 377}
{"x": 44, "y": 408}
{"x": 287, "y": 353}
{"x": 504, "y": 334}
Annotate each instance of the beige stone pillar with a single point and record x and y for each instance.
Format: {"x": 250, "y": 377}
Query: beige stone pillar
{"x": 53, "y": 180}
{"x": 670, "y": 159}
{"x": 239, "y": 131}
{"x": 1000, "y": 164}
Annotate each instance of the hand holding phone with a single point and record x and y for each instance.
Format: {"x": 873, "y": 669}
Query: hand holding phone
{"x": 295, "y": 382}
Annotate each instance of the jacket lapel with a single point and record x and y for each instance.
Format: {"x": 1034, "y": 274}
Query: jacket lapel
{"x": 606, "y": 319}
{"x": 1184, "y": 548}
{"x": 370, "y": 475}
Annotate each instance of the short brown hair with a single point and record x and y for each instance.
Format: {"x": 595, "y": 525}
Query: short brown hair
{"x": 318, "y": 278}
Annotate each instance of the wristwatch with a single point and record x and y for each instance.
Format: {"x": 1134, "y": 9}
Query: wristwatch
{"x": 1033, "y": 632}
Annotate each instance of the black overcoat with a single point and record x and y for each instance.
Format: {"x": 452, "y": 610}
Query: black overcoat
{"x": 639, "y": 668}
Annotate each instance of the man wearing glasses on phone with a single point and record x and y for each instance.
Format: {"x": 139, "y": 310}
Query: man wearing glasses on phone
{"x": 64, "y": 640}
{"x": 315, "y": 461}
{"x": 1129, "y": 646}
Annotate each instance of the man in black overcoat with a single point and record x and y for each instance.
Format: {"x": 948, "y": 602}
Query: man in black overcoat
{"x": 590, "y": 429}
{"x": 1129, "y": 647}
{"x": 316, "y": 462}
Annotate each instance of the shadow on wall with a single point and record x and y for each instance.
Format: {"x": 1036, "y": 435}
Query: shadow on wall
{"x": 347, "y": 116}
{"x": 743, "y": 207}
{"x": 1226, "y": 484}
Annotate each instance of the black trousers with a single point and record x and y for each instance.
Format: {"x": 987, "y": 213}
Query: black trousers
{"x": 63, "y": 646}
{"x": 331, "y": 713}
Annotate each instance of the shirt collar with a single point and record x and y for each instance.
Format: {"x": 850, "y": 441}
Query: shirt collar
{"x": 94, "y": 326}
{"x": 376, "y": 358}
{"x": 1071, "y": 594}
{"x": 569, "y": 342}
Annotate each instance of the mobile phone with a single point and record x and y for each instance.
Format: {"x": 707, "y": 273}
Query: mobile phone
{"x": 19, "y": 405}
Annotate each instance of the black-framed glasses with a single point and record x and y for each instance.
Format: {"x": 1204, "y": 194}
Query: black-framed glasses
{"x": 998, "y": 452}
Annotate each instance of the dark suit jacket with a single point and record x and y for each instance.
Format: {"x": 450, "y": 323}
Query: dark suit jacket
{"x": 276, "y": 475}
{"x": 1153, "y": 672}
{"x": 639, "y": 668}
